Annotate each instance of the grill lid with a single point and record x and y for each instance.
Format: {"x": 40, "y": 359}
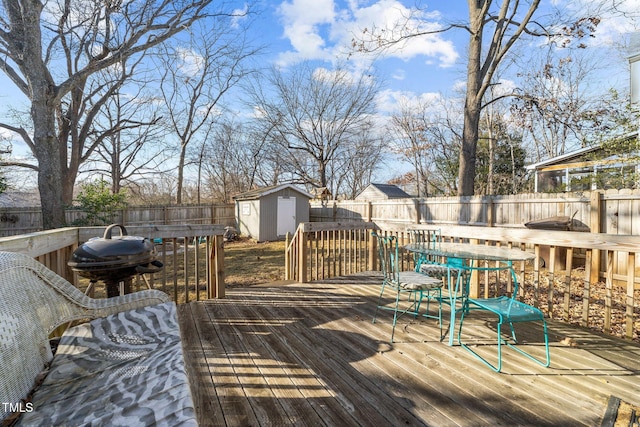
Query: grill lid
{"x": 113, "y": 251}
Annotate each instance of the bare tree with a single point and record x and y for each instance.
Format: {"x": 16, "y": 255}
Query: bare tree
{"x": 494, "y": 27}
{"x": 427, "y": 134}
{"x": 411, "y": 125}
{"x": 152, "y": 191}
{"x": 52, "y": 51}
{"x": 197, "y": 74}
{"x": 353, "y": 171}
{"x": 500, "y": 156}
{"x": 554, "y": 101}
{"x": 230, "y": 159}
{"x": 136, "y": 149}
{"x": 313, "y": 115}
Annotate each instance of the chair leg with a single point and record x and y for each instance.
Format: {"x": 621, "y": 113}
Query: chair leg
{"x": 469, "y": 349}
{"x": 547, "y": 361}
{"x": 436, "y": 295}
{"x": 440, "y": 312}
{"x": 378, "y": 304}
{"x": 514, "y": 346}
{"x": 395, "y": 316}
{"x": 418, "y": 302}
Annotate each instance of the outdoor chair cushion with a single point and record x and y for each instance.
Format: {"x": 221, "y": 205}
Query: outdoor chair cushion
{"x": 412, "y": 280}
{"x": 124, "y": 369}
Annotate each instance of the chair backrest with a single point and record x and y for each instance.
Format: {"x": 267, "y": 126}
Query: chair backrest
{"x": 388, "y": 256}
{"x": 431, "y": 236}
{"x": 33, "y": 302}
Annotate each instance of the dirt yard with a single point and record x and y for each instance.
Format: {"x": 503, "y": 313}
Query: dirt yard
{"x": 249, "y": 263}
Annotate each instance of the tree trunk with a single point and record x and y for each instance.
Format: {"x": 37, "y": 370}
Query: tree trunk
{"x": 181, "y": 162}
{"x": 50, "y": 180}
{"x": 467, "y": 168}
{"x": 472, "y": 105}
{"x": 47, "y": 152}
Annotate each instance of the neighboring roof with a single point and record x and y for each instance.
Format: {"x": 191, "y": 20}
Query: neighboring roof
{"x": 574, "y": 155}
{"x": 564, "y": 158}
{"x": 265, "y": 191}
{"x": 389, "y": 190}
{"x": 20, "y": 199}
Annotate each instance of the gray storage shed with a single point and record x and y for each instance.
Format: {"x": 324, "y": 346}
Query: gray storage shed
{"x": 268, "y": 213}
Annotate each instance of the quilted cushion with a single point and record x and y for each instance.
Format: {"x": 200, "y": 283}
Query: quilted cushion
{"x": 412, "y": 280}
{"x": 124, "y": 369}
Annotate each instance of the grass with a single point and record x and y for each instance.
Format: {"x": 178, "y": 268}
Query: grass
{"x": 248, "y": 263}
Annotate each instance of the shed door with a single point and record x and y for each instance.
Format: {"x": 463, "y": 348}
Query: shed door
{"x": 286, "y": 215}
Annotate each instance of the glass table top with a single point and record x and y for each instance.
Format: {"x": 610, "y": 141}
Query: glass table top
{"x": 470, "y": 252}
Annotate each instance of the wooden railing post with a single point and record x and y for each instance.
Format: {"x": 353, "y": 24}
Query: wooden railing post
{"x": 302, "y": 256}
{"x": 631, "y": 264}
{"x": 373, "y": 256}
{"x": 596, "y": 227}
{"x": 287, "y": 254}
{"x": 216, "y": 278}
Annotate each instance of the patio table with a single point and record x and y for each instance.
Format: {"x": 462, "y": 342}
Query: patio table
{"x": 463, "y": 257}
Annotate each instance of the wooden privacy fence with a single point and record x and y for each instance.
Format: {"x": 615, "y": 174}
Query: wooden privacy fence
{"x": 590, "y": 279}
{"x": 611, "y": 211}
{"x": 192, "y": 255}
{"x": 15, "y": 221}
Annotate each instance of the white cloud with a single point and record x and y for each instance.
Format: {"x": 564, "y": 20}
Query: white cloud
{"x": 387, "y": 14}
{"x": 302, "y": 20}
{"x": 323, "y": 30}
{"x": 239, "y": 15}
{"x": 389, "y": 101}
{"x": 399, "y": 74}
{"x": 504, "y": 87}
{"x": 191, "y": 63}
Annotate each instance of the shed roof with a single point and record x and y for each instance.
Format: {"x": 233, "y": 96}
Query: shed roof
{"x": 389, "y": 190}
{"x": 265, "y": 191}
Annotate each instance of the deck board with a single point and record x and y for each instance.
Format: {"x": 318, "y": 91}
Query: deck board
{"x": 308, "y": 354}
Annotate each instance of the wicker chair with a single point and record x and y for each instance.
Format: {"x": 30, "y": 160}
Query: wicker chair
{"x": 34, "y": 301}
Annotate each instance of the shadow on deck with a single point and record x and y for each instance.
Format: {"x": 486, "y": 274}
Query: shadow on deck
{"x": 308, "y": 354}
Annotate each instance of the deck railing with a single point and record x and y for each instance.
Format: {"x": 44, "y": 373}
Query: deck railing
{"x": 590, "y": 279}
{"x": 192, "y": 255}
{"x": 319, "y": 250}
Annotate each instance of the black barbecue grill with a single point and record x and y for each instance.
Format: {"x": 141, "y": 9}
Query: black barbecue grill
{"x": 115, "y": 260}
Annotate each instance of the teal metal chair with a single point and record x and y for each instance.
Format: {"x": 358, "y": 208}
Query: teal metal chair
{"x": 414, "y": 285}
{"x": 430, "y": 265}
{"x": 449, "y": 270}
{"x": 510, "y": 311}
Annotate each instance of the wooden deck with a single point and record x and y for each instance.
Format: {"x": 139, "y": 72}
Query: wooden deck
{"x": 308, "y": 355}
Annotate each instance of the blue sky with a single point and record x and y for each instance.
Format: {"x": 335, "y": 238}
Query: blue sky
{"x": 322, "y": 30}
{"x": 298, "y": 30}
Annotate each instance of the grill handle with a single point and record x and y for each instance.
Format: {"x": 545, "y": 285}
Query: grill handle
{"x": 107, "y": 232}
{"x": 152, "y": 267}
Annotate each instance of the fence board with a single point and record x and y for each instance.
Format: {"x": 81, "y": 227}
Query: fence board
{"x": 611, "y": 212}
{"x": 16, "y": 221}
